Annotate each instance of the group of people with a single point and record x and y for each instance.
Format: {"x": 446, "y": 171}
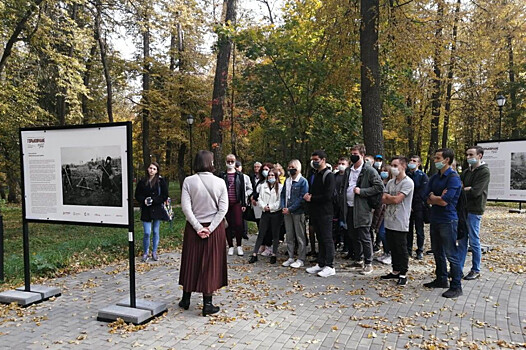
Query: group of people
{"x": 362, "y": 204}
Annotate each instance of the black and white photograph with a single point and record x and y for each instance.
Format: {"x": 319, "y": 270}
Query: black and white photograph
{"x": 518, "y": 171}
{"x": 92, "y": 176}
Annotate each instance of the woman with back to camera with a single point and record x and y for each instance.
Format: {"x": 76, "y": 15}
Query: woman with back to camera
{"x": 204, "y": 201}
{"x": 151, "y": 192}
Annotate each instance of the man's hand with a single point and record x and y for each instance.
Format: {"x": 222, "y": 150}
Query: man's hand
{"x": 267, "y": 208}
{"x": 357, "y": 190}
{"x": 254, "y": 203}
{"x": 467, "y": 188}
{"x": 307, "y": 197}
{"x": 286, "y": 211}
{"x": 243, "y": 209}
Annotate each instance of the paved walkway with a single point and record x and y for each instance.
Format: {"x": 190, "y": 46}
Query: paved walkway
{"x": 269, "y": 306}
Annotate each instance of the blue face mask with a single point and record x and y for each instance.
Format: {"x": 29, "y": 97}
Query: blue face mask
{"x": 384, "y": 175}
{"x": 377, "y": 165}
{"x": 411, "y": 166}
{"x": 472, "y": 161}
{"x": 264, "y": 173}
{"x": 439, "y": 165}
{"x": 271, "y": 181}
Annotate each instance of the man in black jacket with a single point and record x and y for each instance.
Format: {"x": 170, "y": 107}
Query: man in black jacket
{"x": 321, "y": 210}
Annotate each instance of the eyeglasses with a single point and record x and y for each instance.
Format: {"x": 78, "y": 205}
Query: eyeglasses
{"x": 230, "y": 161}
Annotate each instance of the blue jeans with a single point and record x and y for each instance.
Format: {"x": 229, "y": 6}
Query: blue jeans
{"x": 147, "y": 225}
{"x": 473, "y": 222}
{"x": 383, "y": 238}
{"x": 444, "y": 246}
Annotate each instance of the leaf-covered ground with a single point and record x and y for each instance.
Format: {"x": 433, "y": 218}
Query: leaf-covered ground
{"x": 269, "y": 306}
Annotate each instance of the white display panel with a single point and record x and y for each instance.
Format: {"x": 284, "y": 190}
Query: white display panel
{"x": 76, "y": 174}
{"x": 507, "y": 163}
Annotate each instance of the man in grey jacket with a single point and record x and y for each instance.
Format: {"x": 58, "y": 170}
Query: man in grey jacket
{"x": 360, "y": 182}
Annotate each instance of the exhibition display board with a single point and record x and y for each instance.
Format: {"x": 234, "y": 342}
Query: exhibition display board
{"x": 507, "y": 163}
{"x": 77, "y": 174}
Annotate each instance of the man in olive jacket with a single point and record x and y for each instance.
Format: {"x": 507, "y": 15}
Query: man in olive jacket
{"x": 359, "y": 182}
{"x": 475, "y": 180}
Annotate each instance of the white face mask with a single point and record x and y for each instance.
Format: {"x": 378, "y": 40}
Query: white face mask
{"x": 395, "y": 171}
{"x": 230, "y": 166}
{"x": 342, "y": 167}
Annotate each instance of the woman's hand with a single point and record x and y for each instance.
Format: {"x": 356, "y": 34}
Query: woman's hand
{"x": 267, "y": 208}
{"x": 204, "y": 233}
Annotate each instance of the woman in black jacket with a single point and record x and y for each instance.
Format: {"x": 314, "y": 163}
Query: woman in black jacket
{"x": 151, "y": 192}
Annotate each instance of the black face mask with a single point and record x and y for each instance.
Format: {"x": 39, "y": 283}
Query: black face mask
{"x": 293, "y": 172}
{"x": 354, "y": 158}
{"x": 316, "y": 164}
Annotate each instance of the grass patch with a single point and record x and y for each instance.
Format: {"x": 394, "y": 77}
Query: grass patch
{"x": 64, "y": 249}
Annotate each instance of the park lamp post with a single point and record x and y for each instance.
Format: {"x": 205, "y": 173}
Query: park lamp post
{"x": 501, "y": 101}
{"x": 190, "y": 121}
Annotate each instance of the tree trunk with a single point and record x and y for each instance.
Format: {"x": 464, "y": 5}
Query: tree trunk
{"x": 220, "y": 85}
{"x": 410, "y": 129}
{"x": 86, "y": 80}
{"x": 14, "y": 36}
{"x": 449, "y": 88}
{"x": 180, "y": 164}
{"x": 515, "y": 113}
{"x": 146, "y": 159}
{"x": 370, "y": 77}
{"x": 104, "y": 60}
{"x": 436, "y": 96}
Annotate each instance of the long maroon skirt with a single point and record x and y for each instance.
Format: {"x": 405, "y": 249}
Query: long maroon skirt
{"x": 203, "y": 261}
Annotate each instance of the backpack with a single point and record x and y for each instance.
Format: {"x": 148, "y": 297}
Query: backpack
{"x": 462, "y": 212}
{"x": 374, "y": 201}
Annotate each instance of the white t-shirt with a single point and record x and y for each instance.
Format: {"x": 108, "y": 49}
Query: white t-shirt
{"x": 397, "y": 215}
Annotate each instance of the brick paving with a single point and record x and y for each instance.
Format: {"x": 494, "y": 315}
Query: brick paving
{"x": 271, "y": 307}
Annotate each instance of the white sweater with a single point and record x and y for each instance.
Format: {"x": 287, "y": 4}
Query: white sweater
{"x": 197, "y": 204}
{"x": 268, "y": 196}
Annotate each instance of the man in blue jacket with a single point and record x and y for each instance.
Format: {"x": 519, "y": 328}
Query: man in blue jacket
{"x": 443, "y": 192}
{"x": 295, "y": 187}
{"x": 416, "y": 222}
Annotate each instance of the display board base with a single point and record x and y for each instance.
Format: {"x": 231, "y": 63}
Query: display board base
{"x": 141, "y": 314}
{"x": 518, "y": 211}
{"x": 20, "y": 297}
{"x": 36, "y": 294}
{"x": 45, "y": 291}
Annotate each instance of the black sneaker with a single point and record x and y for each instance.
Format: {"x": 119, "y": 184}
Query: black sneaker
{"x": 273, "y": 259}
{"x": 472, "y": 275}
{"x": 402, "y": 281}
{"x": 390, "y": 276}
{"x": 419, "y": 256}
{"x": 452, "y": 293}
{"x": 252, "y": 259}
{"x": 376, "y": 248}
{"x": 429, "y": 252}
{"x": 437, "y": 284}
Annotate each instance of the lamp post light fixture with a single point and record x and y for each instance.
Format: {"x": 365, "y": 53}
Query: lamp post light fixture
{"x": 501, "y": 101}
{"x": 190, "y": 121}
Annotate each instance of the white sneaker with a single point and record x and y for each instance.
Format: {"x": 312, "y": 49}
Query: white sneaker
{"x": 288, "y": 262}
{"x": 267, "y": 252}
{"x": 297, "y": 264}
{"x": 314, "y": 269}
{"x": 240, "y": 251}
{"x": 384, "y": 259}
{"x": 327, "y": 271}
{"x": 231, "y": 251}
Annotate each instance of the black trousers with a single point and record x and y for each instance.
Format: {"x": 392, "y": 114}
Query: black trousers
{"x": 398, "y": 244}
{"x": 416, "y": 223}
{"x": 323, "y": 227}
{"x": 360, "y": 239}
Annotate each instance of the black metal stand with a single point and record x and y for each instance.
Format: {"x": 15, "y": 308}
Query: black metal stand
{"x": 2, "y": 276}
